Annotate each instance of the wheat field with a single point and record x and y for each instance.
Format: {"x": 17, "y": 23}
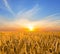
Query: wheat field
{"x": 29, "y": 42}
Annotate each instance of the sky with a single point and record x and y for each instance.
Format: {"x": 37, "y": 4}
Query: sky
{"x": 23, "y": 13}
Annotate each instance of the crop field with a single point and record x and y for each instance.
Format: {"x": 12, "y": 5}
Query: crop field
{"x": 29, "y": 42}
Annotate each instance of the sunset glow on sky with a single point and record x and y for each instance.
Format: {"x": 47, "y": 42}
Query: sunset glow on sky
{"x": 30, "y": 14}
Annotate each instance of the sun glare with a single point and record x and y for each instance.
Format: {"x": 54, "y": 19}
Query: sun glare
{"x": 31, "y": 28}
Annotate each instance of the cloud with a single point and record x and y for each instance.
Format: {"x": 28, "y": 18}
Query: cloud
{"x": 51, "y": 21}
{"x": 8, "y": 7}
{"x": 22, "y": 20}
{"x": 29, "y": 13}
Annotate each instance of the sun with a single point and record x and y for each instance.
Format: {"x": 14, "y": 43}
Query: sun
{"x": 31, "y": 28}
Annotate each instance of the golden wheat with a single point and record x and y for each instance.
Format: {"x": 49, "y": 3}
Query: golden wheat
{"x": 29, "y": 42}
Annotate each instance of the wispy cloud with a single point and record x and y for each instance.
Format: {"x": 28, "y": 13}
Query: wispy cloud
{"x": 29, "y": 13}
{"x": 8, "y": 7}
{"x": 22, "y": 20}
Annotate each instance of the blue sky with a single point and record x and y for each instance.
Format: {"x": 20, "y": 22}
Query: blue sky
{"x": 17, "y": 11}
{"x": 47, "y": 7}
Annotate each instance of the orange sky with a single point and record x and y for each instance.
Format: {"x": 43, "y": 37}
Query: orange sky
{"x": 27, "y": 29}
